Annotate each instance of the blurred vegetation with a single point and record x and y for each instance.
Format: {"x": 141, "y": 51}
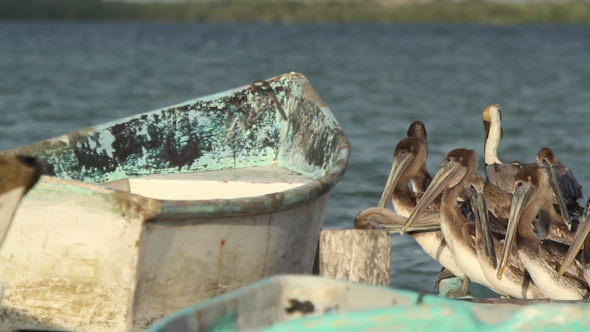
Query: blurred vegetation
{"x": 291, "y": 11}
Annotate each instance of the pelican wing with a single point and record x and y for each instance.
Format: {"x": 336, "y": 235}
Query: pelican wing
{"x": 571, "y": 188}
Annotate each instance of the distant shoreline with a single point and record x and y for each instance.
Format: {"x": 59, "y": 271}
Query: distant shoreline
{"x": 293, "y": 11}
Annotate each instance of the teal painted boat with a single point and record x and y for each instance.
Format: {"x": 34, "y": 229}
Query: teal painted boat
{"x": 140, "y": 217}
{"x": 306, "y": 303}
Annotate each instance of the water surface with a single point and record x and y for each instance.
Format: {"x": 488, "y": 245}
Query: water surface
{"x": 60, "y": 77}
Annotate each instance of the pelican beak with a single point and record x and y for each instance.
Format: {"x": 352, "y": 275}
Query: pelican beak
{"x": 577, "y": 243}
{"x": 553, "y": 181}
{"x": 520, "y": 198}
{"x": 400, "y": 164}
{"x": 392, "y": 222}
{"x": 448, "y": 174}
{"x": 480, "y": 209}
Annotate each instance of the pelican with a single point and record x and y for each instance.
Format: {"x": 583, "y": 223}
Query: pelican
{"x": 546, "y": 159}
{"x": 422, "y": 179}
{"x": 570, "y": 188}
{"x": 541, "y": 258}
{"x": 449, "y": 180}
{"x": 497, "y": 173}
{"x": 409, "y": 156}
{"x": 502, "y": 174}
{"x": 551, "y": 225}
{"x": 580, "y": 239}
{"x": 18, "y": 174}
{"x": 517, "y": 282}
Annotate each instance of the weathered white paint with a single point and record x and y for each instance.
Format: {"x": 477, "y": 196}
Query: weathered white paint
{"x": 222, "y": 184}
{"x": 69, "y": 259}
{"x": 359, "y": 255}
{"x": 8, "y": 203}
{"x": 82, "y": 257}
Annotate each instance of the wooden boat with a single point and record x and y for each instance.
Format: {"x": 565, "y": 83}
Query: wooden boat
{"x": 140, "y": 217}
{"x": 17, "y": 175}
{"x": 306, "y": 303}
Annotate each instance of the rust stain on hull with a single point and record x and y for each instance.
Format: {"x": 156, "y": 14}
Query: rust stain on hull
{"x": 219, "y": 259}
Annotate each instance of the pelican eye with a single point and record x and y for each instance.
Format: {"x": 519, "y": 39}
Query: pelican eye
{"x": 519, "y": 183}
{"x": 449, "y": 159}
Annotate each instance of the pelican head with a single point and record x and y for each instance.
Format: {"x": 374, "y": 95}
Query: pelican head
{"x": 529, "y": 182}
{"x": 409, "y": 154}
{"x": 456, "y": 165}
{"x": 546, "y": 158}
{"x": 417, "y": 129}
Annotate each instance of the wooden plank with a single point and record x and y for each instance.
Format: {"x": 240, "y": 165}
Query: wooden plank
{"x": 357, "y": 255}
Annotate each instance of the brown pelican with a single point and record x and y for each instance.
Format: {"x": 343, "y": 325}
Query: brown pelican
{"x": 541, "y": 258}
{"x": 546, "y": 159}
{"x": 496, "y": 172}
{"x": 570, "y": 188}
{"x": 550, "y": 224}
{"x": 449, "y": 180}
{"x": 376, "y": 217}
{"x": 408, "y": 158}
{"x": 18, "y": 174}
{"x": 503, "y": 174}
{"x": 422, "y": 179}
{"x": 581, "y": 239}
{"x": 517, "y": 282}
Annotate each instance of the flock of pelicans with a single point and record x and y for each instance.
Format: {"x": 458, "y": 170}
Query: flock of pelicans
{"x": 519, "y": 233}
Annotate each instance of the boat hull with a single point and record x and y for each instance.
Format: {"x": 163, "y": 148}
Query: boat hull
{"x": 84, "y": 269}
{"x": 306, "y": 303}
{"x": 117, "y": 235}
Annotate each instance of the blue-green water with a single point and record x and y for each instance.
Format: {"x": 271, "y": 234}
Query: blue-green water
{"x": 60, "y": 77}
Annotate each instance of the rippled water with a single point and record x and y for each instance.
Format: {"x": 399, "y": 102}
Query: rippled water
{"x": 60, "y": 77}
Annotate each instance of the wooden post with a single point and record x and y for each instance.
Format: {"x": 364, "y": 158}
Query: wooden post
{"x": 359, "y": 255}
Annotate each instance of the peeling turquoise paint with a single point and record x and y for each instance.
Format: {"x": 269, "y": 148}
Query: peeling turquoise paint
{"x": 233, "y": 129}
{"x": 341, "y": 306}
{"x": 226, "y": 323}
